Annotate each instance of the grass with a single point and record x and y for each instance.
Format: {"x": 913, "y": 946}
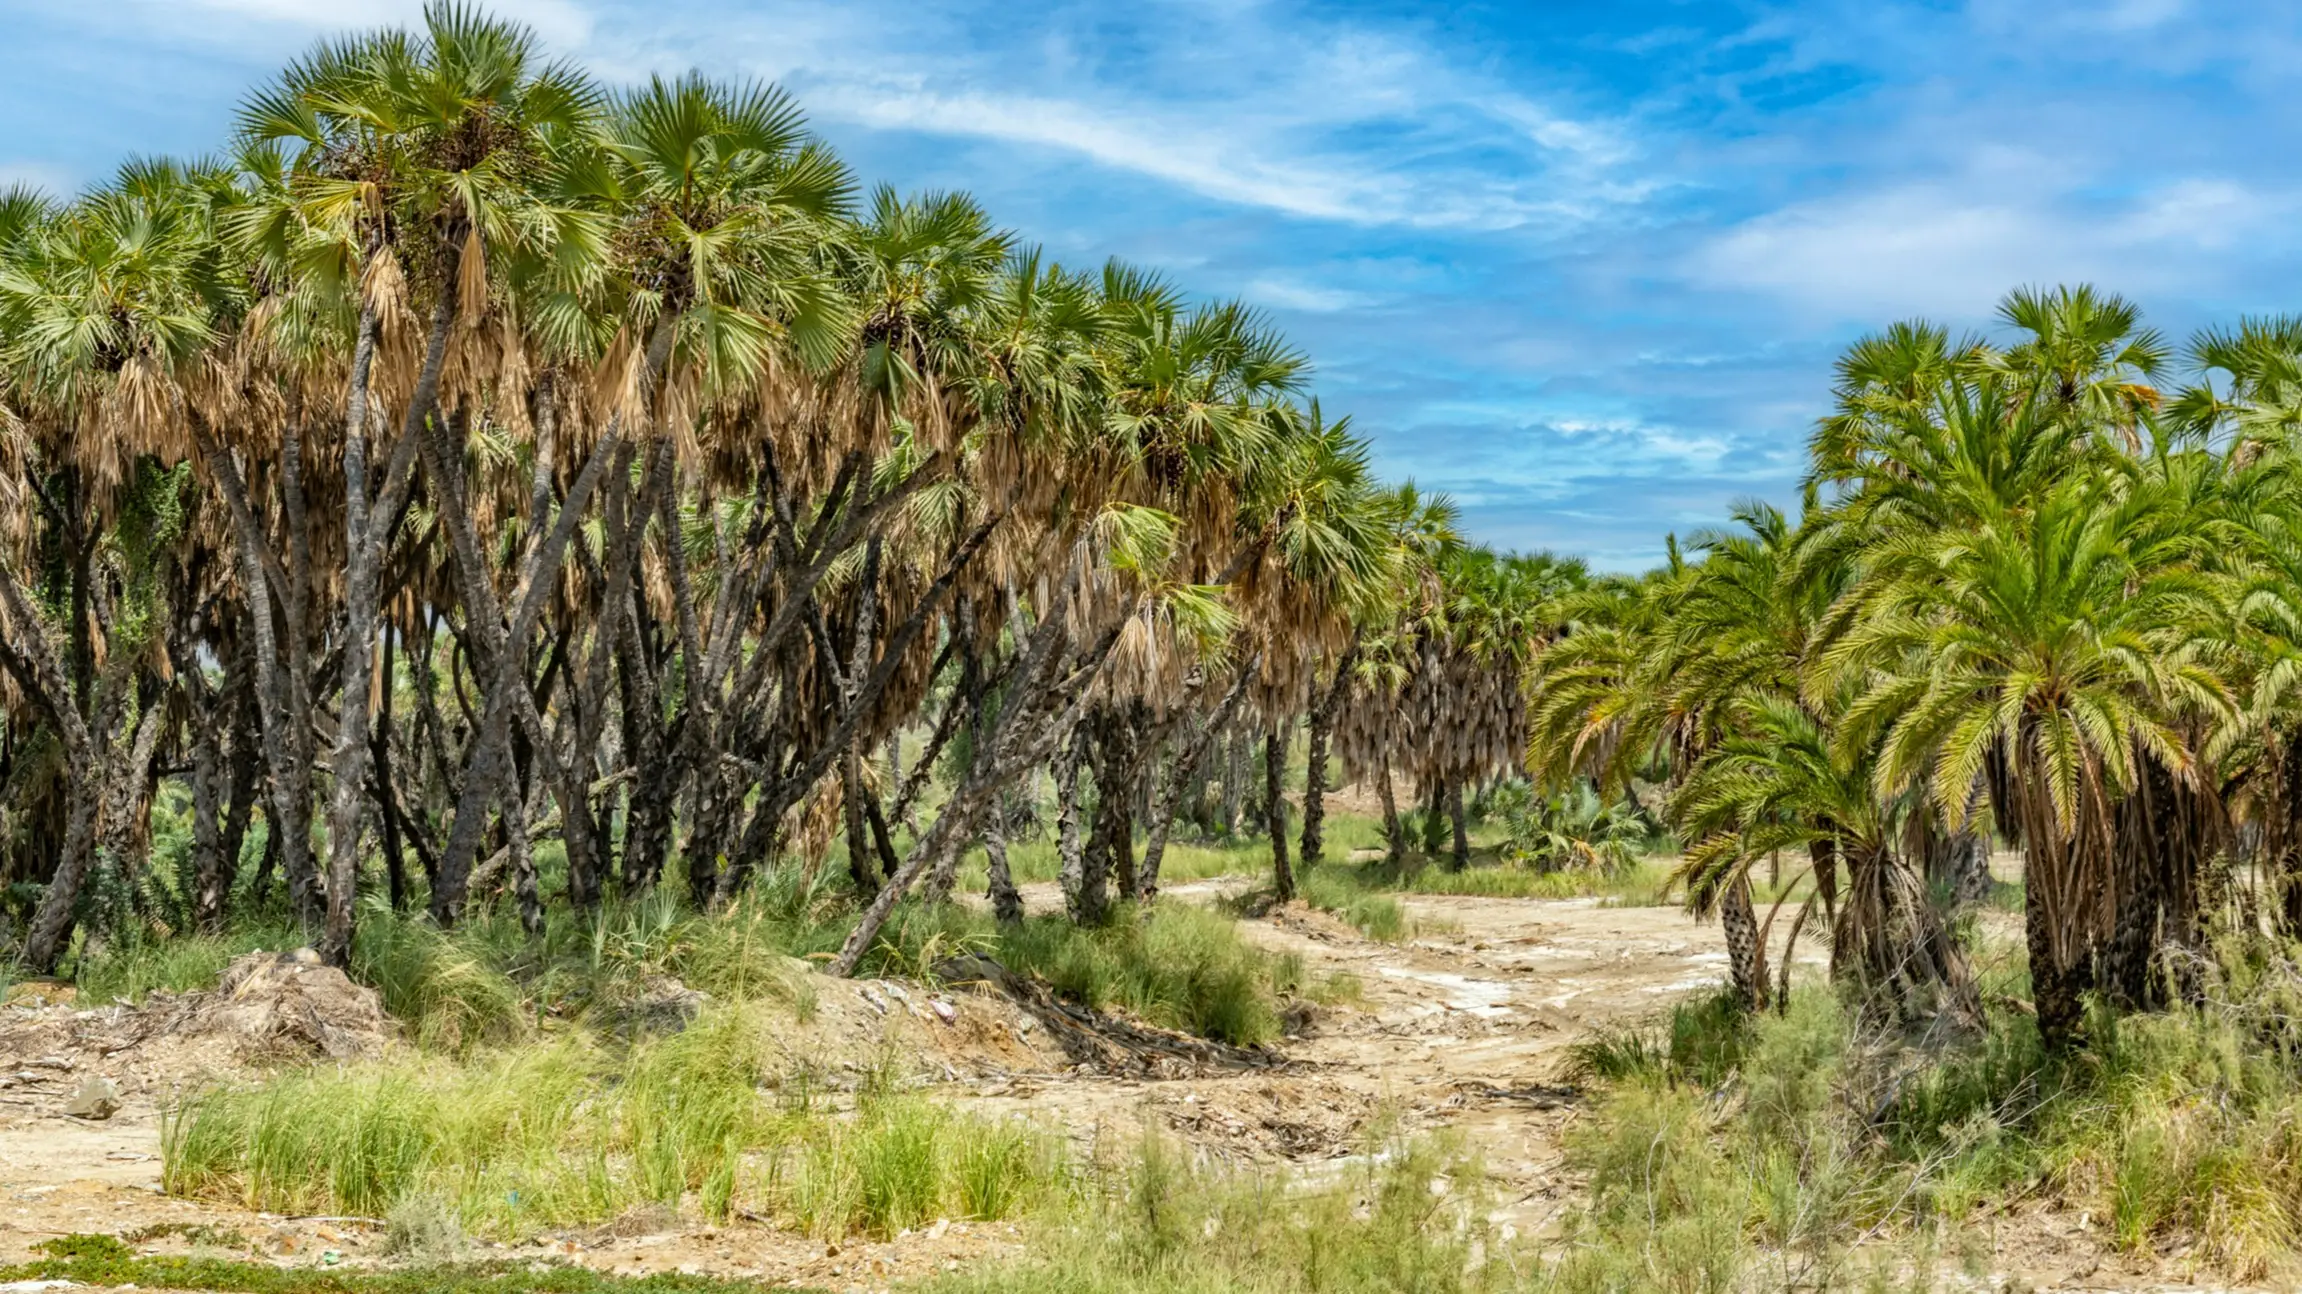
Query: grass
{"x": 131, "y": 968}
{"x": 1333, "y": 888}
{"x": 1729, "y": 1150}
{"x": 486, "y": 983}
{"x": 1409, "y": 1216}
{"x": 1183, "y": 861}
{"x": 1180, "y": 966}
{"x": 115, "y": 1266}
{"x": 567, "y": 1133}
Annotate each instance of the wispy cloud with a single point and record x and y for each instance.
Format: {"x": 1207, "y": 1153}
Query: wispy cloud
{"x": 1311, "y": 298}
{"x": 563, "y": 22}
{"x": 1952, "y": 249}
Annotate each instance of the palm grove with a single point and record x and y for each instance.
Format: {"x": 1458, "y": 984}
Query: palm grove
{"x": 470, "y": 457}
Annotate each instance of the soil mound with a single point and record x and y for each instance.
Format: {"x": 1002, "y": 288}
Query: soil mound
{"x": 1099, "y": 1043}
{"x": 271, "y": 1004}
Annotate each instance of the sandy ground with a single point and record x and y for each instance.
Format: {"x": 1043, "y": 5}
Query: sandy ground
{"x": 1465, "y": 1026}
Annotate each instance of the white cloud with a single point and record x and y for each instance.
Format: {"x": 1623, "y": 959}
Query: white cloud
{"x": 1312, "y": 298}
{"x": 37, "y": 175}
{"x": 1943, "y": 249}
{"x": 1218, "y": 152}
{"x": 2138, "y": 15}
{"x": 563, "y": 24}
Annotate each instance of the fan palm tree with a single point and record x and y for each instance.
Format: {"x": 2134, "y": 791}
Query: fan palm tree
{"x": 416, "y": 152}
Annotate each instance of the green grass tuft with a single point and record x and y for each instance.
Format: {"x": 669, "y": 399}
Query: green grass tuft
{"x": 568, "y": 1134}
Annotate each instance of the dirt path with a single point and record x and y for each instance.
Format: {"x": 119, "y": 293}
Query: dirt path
{"x": 1465, "y": 1026}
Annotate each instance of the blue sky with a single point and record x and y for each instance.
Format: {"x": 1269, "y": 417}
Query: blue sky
{"x": 1582, "y": 265}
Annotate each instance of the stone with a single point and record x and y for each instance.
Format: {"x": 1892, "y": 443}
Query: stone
{"x": 97, "y": 1097}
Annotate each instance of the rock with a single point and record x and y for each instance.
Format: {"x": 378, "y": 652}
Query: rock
{"x": 972, "y": 968}
{"x": 664, "y": 1005}
{"x": 96, "y": 1098}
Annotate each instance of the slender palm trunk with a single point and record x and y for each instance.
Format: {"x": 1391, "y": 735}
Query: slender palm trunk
{"x": 1235, "y": 760}
{"x": 1315, "y": 772}
{"x": 1462, "y": 854}
{"x": 1119, "y": 797}
{"x": 1006, "y": 900}
{"x": 1085, "y": 907}
{"x": 1180, "y": 778}
{"x": 1394, "y": 830}
{"x": 348, "y": 763}
{"x": 1275, "y": 806}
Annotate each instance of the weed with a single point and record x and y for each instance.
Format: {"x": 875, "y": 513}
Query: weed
{"x": 1179, "y": 966}
{"x": 129, "y": 968}
{"x": 422, "y": 1226}
{"x": 82, "y": 1245}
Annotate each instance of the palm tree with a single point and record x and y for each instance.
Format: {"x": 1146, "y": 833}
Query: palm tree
{"x": 414, "y": 152}
{"x": 106, "y": 310}
{"x": 2032, "y": 653}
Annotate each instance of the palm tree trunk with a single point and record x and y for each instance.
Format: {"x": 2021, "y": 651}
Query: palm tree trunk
{"x": 526, "y": 887}
{"x": 1746, "y": 958}
{"x": 59, "y": 904}
{"x": 1071, "y": 873}
{"x": 491, "y": 736}
{"x": 859, "y": 859}
{"x": 1041, "y": 708}
{"x": 1235, "y": 778}
{"x": 245, "y": 767}
{"x": 347, "y": 764}
{"x": 1275, "y": 805}
{"x": 1006, "y": 900}
{"x": 1180, "y": 778}
{"x": 1125, "y": 763}
{"x": 1315, "y": 772}
{"x": 208, "y": 777}
{"x": 1394, "y": 830}
{"x": 1462, "y": 855}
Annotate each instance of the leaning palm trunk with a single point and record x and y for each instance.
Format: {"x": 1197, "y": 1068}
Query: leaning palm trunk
{"x": 30, "y": 658}
{"x": 1037, "y": 713}
{"x": 1180, "y": 778}
{"x": 1394, "y": 830}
